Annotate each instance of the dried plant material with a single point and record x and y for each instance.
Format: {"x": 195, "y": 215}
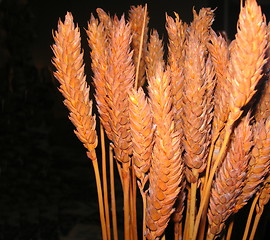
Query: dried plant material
{"x": 259, "y": 163}
{"x": 176, "y": 54}
{"x": 154, "y": 54}
{"x": 120, "y": 79}
{"x": 197, "y": 106}
{"x": 219, "y": 52}
{"x": 68, "y": 61}
{"x": 230, "y": 179}
{"x": 106, "y": 20}
{"x": 142, "y": 130}
{"x": 264, "y": 196}
{"x": 247, "y": 53}
{"x": 99, "y": 42}
{"x": 262, "y": 110}
{"x": 136, "y": 16}
{"x": 166, "y": 171}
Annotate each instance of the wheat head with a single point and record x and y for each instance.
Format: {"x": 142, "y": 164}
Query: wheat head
{"x": 68, "y": 60}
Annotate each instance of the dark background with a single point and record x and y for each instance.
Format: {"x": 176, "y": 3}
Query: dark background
{"x": 47, "y": 185}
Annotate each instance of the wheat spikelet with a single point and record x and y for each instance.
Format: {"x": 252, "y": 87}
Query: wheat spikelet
{"x": 196, "y": 103}
{"x": 98, "y": 42}
{"x": 166, "y": 169}
{"x": 142, "y": 130}
{"x": 154, "y": 54}
{"x": 259, "y": 163}
{"x": 68, "y": 61}
{"x": 230, "y": 179}
{"x": 247, "y": 53}
{"x": 120, "y": 79}
{"x": 136, "y": 14}
{"x": 106, "y": 20}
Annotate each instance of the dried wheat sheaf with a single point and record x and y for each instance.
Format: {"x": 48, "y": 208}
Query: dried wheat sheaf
{"x": 183, "y": 119}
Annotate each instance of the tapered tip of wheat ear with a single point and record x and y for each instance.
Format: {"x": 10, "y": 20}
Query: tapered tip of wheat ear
{"x": 68, "y": 60}
{"x": 247, "y": 57}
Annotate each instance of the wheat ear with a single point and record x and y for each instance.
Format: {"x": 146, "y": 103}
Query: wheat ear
{"x": 98, "y": 42}
{"x": 230, "y": 178}
{"x": 142, "y": 130}
{"x": 154, "y": 54}
{"x": 259, "y": 163}
{"x": 166, "y": 170}
{"x": 176, "y": 54}
{"x": 68, "y": 61}
{"x": 138, "y": 19}
{"x": 246, "y": 62}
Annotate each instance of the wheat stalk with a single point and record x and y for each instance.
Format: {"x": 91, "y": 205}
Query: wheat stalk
{"x": 68, "y": 61}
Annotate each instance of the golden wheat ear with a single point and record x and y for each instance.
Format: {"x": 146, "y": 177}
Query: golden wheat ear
{"x": 230, "y": 178}
{"x": 166, "y": 170}
{"x": 68, "y": 61}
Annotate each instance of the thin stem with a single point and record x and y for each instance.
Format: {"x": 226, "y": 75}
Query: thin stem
{"x": 113, "y": 203}
{"x": 255, "y": 224}
{"x": 209, "y": 160}
{"x": 100, "y": 200}
{"x": 126, "y": 188}
{"x": 206, "y": 194}
{"x": 186, "y": 229}
{"x": 140, "y": 50}
{"x": 250, "y": 215}
{"x": 144, "y": 213}
{"x": 104, "y": 179}
{"x": 192, "y": 210}
{"x": 134, "y": 207}
{"x": 230, "y": 228}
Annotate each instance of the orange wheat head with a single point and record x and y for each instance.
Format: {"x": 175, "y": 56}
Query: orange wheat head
{"x": 68, "y": 61}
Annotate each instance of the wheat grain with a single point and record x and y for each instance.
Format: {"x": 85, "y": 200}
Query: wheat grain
{"x": 68, "y": 61}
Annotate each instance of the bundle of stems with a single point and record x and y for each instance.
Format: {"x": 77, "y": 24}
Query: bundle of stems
{"x": 190, "y": 130}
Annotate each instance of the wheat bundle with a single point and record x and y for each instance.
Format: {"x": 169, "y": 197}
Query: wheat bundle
{"x": 185, "y": 134}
